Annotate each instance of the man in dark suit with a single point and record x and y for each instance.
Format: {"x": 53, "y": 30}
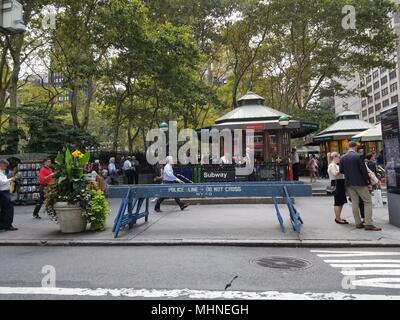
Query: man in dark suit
{"x": 358, "y": 184}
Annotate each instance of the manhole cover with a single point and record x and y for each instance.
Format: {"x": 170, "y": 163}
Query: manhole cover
{"x": 285, "y": 263}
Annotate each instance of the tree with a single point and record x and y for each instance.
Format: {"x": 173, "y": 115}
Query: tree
{"x": 310, "y": 48}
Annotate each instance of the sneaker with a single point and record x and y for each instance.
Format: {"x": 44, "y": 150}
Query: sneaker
{"x": 184, "y": 206}
{"x": 157, "y": 210}
{"x": 37, "y": 217}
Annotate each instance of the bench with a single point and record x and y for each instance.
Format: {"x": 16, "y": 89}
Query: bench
{"x": 135, "y": 199}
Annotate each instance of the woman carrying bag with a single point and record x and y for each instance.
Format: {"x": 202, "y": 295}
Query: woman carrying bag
{"x": 338, "y": 187}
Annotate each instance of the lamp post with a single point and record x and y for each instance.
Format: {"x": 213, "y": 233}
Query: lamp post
{"x": 164, "y": 128}
{"x": 284, "y": 122}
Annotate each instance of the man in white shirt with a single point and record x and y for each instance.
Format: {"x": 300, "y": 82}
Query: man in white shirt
{"x": 294, "y": 158}
{"x": 6, "y": 205}
{"x": 169, "y": 177}
{"x": 128, "y": 170}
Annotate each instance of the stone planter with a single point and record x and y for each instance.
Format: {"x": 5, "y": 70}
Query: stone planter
{"x": 70, "y": 217}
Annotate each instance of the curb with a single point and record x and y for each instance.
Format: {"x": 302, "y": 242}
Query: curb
{"x": 220, "y": 243}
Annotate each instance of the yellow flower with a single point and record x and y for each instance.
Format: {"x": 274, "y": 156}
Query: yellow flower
{"x": 77, "y": 154}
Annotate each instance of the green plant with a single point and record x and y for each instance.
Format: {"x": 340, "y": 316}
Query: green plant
{"x": 98, "y": 210}
{"x": 70, "y": 184}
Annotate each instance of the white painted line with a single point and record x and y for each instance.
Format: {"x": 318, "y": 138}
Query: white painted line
{"x": 388, "y": 283}
{"x": 365, "y": 265}
{"x": 355, "y": 252}
{"x": 371, "y": 272}
{"x": 364, "y": 261}
{"x": 192, "y": 294}
{"x": 360, "y": 254}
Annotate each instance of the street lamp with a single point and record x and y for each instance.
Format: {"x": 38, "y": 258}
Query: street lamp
{"x": 164, "y": 128}
{"x": 284, "y": 122}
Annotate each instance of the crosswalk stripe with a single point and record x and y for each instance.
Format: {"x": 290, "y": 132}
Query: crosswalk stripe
{"x": 365, "y": 265}
{"x": 349, "y": 265}
{"x": 357, "y": 254}
{"x": 383, "y": 272}
{"x": 364, "y": 261}
{"x": 388, "y": 283}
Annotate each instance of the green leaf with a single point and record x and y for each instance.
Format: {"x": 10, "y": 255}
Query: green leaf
{"x": 68, "y": 162}
{"x": 85, "y": 159}
{"x": 59, "y": 159}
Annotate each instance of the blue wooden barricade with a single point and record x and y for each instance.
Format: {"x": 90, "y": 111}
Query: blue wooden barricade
{"x": 135, "y": 199}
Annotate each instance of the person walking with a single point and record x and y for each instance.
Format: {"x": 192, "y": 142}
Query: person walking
{"x": 294, "y": 158}
{"x": 45, "y": 178}
{"x": 337, "y": 180}
{"x": 312, "y": 168}
{"x": 169, "y": 177}
{"x": 112, "y": 171}
{"x": 6, "y": 205}
{"x": 358, "y": 184}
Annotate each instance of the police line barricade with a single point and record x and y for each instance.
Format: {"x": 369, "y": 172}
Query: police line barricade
{"x": 134, "y": 198}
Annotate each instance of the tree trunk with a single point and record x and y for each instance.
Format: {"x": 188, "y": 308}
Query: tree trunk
{"x": 117, "y": 121}
{"x": 234, "y": 92}
{"x": 74, "y": 106}
{"x": 13, "y": 122}
{"x": 88, "y": 102}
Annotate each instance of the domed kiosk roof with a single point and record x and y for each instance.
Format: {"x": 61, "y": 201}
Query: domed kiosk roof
{"x": 347, "y": 125}
{"x": 250, "y": 108}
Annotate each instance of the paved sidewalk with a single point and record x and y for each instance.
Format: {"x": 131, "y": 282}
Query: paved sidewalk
{"x": 240, "y": 224}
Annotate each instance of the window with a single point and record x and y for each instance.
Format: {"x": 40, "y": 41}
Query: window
{"x": 377, "y": 107}
{"x": 377, "y": 96}
{"x": 385, "y": 92}
{"x": 376, "y": 85}
{"x": 392, "y": 75}
{"x": 369, "y": 79}
{"x": 382, "y": 70}
{"x": 385, "y": 103}
{"x": 384, "y": 80}
{"x": 393, "y": 87}
{"x": 378, "y": 118}
{"x": 369, "y": 89}
{"x": 363, "y": 103}
{"x": 394, "y": 99}
{"x": 372, "y": 120}
{"x": 370, "y": 99}
{"x": 364, "y": 114}
{"x": 370, "y": 110}
{"x": 375, "y": 74}
{"x": 362, "y": 84}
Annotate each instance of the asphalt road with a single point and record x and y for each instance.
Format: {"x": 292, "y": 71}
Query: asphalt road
{"x": 198, "y": 272}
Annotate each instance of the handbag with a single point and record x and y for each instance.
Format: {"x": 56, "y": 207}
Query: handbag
{"x": 372, "y": 177}
{"x": 331, "y": 190}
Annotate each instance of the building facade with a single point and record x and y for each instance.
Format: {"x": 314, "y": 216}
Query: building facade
{"x": 378, "y": 89}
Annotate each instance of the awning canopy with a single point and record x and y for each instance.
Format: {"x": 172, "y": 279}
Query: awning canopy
{"x": 373, "y": 134}
{"x": 252, "y": 114}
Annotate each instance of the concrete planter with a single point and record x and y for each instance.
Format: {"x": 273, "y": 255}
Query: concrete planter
{"x": 70, "y": 217}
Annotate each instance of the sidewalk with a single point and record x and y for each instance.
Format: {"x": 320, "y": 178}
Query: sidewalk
{"x": 250, "y": 225}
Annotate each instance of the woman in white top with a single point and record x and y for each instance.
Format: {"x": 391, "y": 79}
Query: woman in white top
{"x": 337, "y": 180}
